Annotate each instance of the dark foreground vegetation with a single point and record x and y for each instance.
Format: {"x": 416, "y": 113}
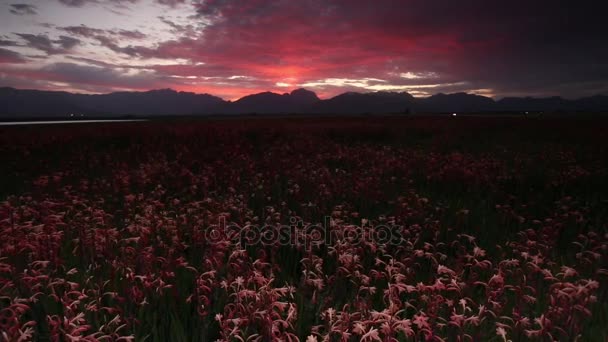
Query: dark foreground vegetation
{"x": 399, "y": 229}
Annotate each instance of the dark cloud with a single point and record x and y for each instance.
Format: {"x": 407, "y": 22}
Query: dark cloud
{"x": 84, "y": 31}
{"x": 72, "y": 76}
{"x": 80, "y": 3}
{"x": 130, "y": 34}
{"x": 76, "y": 3}
{"x": 23, "y": 9}
{"x": 92, "y": 62}
{"x": 101, "y": 76}
{"x": 9, "y": 56}
{"x": 47, "y": 25}
{"x": 40, "y": 42}
{"x": 505, "y": 48}
{"x": 51, "y": 47}
{"x": 171, "y": 3}
{"x": 130, "y": 50}
{"x": 181, "y": 29}
{"x": 67, "y": 43}
{"x": 8, "y": 42}
{"x": 90, "y": 32}
{"x": 110, "y": 38}
{"x": 172, "y": 24}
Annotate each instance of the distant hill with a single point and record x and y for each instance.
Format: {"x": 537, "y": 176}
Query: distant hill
{"x": 358, "y": 103}
{"x": 35, "y": 103}
{"x": 16, "y": 103}
{"x": 298, "y": 101}
{"x": 535, "y": 104}
{"x": 28, "y": 103}
{"x": 154, "y": 102}
{"x": 458, "y": 102}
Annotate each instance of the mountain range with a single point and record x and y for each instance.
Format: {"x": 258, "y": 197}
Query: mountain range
{"x": 18, "y": 103}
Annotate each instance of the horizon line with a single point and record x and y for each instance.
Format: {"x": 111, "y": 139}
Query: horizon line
{"x": 497, "y": 98}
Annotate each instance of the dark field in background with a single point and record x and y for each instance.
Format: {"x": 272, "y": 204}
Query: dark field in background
{"x": 504, "y": 224}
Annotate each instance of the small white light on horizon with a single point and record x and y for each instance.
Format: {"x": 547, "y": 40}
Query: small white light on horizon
{"x": 454, "y": 114}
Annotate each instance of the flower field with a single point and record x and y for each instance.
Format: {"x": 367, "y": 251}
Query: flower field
{"x": 308, "y": 229}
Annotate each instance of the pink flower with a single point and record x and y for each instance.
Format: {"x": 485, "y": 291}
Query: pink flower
{"x": 500, "y": 331}
{"x": 421, "y": 321}
{"x": 371, "y": 335}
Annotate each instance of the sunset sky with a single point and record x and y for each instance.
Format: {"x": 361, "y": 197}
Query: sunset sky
{"x": 231, "y": 48}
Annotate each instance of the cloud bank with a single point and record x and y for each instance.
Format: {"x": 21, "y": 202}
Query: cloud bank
{"x": 232, "y": 48}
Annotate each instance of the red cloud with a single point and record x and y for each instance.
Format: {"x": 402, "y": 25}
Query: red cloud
{"x": 9, "y": 56}
{"x": 465, "y": 46}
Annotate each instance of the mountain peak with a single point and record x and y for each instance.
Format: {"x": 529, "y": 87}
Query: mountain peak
{"x": 40, "y": 103}
{"x": 302, "y": 94}
{"x": 302, "y": 91}
{"x": 162, "y": 91}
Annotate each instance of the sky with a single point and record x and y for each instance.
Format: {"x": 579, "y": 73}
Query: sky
{"x": 231, "y": 48}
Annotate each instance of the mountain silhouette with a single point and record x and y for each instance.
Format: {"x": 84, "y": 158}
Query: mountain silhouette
{"x": 458, "y": 102}
{"x": 593, "y": 103}
{"x": 36, "y": 103}
{"x": 18, "y": 104}
{"x": 358, "y": 103}
{"x": 536, "y": 104}
{"x": 154, "y": 102}
{"x": 297, "y": 101}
